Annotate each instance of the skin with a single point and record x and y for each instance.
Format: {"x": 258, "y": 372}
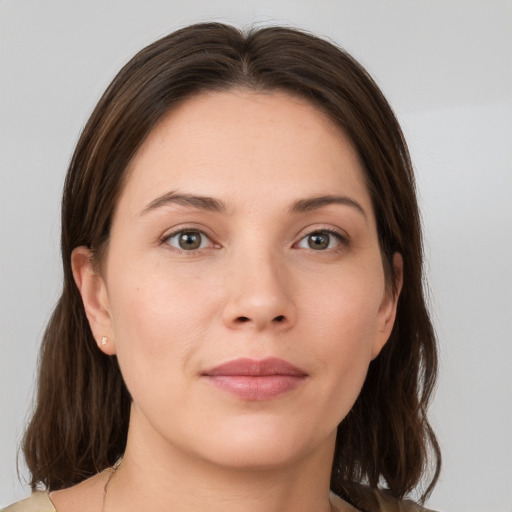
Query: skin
{"x": 255, "y": 288}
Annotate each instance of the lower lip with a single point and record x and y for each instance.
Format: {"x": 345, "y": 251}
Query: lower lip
{"x": 256, "y": 388}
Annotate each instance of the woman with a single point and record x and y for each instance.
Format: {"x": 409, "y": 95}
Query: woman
{"x": 242, "y": 324}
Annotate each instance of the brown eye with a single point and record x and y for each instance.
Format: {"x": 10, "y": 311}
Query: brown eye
{"x": 320, "y": 240}
{"x": 188, "y": 240}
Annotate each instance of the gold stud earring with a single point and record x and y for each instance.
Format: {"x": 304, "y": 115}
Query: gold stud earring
{"x": 104, "y": 340}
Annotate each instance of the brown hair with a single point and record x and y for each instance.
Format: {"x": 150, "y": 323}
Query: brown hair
{"x": 80, "y": 423}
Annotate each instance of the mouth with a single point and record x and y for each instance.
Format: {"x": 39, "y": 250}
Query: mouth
{"x": 256, "y": 380}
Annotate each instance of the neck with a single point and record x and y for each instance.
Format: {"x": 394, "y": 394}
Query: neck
{"x": 155, "y": 475}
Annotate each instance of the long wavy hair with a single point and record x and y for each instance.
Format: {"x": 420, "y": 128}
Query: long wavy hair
{"x": 80, "y": 422}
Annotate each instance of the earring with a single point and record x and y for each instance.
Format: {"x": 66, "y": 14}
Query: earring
{"x": 104, "y": 340}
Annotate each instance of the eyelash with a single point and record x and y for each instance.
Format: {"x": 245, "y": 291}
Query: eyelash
{"x": 342, "y": 240}
{"x": 182, "y": 231}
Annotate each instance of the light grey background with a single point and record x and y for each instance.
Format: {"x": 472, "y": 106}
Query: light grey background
{"x": 446, "y": 66}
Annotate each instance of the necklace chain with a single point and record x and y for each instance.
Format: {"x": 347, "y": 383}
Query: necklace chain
{"x": 113, "y": 470}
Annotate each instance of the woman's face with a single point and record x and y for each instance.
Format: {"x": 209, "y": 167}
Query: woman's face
{"x": 243, "y": 290}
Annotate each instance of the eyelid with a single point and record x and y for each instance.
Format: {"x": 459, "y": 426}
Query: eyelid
{"x": 342, "y": 234}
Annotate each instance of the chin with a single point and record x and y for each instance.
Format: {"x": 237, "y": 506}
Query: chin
{"x": 252, "y": 458}
{"x": 263, "y": 447}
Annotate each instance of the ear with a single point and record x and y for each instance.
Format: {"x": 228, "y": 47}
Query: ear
{"x": 93, "y": 290}
{"x": 387, "y": 309}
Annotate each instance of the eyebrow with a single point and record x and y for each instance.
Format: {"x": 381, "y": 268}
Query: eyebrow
{"x": 214, "y": 205}
{"x": 315, "y": 203}
{"x": 173, "y": 197}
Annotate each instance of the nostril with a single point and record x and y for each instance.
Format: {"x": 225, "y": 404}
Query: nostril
{"x": 244, "y": 319}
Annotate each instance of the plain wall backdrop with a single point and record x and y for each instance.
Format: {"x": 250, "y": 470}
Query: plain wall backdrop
{"x": 446, "y": 67}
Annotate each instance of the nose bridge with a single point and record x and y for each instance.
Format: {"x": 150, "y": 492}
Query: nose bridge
{"x": 259, "y": 292}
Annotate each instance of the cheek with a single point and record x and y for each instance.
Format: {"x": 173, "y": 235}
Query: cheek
{"x": 343, "y": 321}
{"x": 158, "y": 323}
{"x": 346, "y": 308}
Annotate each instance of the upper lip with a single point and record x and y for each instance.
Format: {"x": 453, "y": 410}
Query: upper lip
{"x": 255, "y": 368}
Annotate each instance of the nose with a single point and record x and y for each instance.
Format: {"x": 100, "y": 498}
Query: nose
{"x": 259, "y": 295}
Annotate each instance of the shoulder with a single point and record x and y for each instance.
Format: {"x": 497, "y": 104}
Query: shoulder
{"x": 38, "y": 502}
{"x": 366, "y": 499}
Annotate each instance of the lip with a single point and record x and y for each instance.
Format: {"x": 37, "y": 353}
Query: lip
{"x": 256, "y": 380}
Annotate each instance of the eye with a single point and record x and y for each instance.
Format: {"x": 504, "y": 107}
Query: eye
{"x": 188, "y": 240}
{"x": 320, "y": 240}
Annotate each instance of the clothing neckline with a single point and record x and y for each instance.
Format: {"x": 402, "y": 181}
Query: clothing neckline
{"x": 335, "y": 500}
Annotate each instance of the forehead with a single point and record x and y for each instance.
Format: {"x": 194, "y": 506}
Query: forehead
{"x": 249, "y": 145}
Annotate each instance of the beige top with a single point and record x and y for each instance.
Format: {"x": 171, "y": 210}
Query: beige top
{"x": 38, "y": 502}
{"x": 375, "y": 502}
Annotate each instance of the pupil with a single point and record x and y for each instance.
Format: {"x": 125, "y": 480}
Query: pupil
{"x": 189, "y": 241}
{"x": 318, "y": 241}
